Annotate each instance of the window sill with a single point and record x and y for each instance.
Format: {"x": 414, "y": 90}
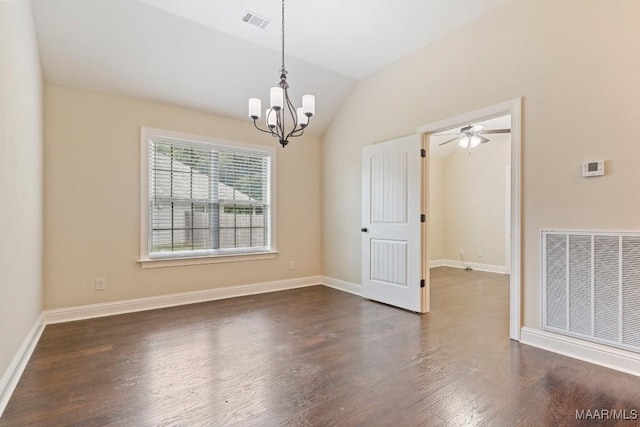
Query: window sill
{"x": 211, "y": 259}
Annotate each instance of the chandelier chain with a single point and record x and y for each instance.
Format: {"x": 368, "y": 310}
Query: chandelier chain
{"x": 283, "y": 69}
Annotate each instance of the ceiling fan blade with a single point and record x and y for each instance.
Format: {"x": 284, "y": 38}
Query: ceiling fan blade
{"x": 496, "y": 131}
{"x": 446, "y": 142}
{"x": 483, "y": 140}
{"x": 476, "y": 128}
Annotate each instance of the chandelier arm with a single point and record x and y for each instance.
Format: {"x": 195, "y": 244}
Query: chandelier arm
{"x": 296, "y": 134}
{"x": 277, "y": 129}
{"x": 280, "y": 123}
{"x": 302, "y": 128}
{"x": 294, "y": 116}
{"x": 292, "y": 112}
{"x": 300, "y": 131}
{"x": 262, "y": 130}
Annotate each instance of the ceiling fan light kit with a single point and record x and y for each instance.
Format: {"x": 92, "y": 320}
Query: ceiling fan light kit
{"x": 470, "y": 141}
{"x": 282, "y": 109}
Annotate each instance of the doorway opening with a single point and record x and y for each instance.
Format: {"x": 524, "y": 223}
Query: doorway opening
{"x": 468, "y": 196}
{"x": 472, "y": 196}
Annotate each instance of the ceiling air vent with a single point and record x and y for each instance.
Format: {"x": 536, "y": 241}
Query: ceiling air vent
{"x": 255, "y": 19}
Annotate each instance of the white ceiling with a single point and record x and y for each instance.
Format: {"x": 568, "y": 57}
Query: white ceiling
{"x": 437, "y": 151}
{"x": 200, "y": 54}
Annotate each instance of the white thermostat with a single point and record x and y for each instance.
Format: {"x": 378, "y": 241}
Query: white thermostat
{"x": 595, "y": 168}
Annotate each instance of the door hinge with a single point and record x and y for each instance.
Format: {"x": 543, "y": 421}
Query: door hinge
{"x": 423, "y": 152}
{"x": 422, "y": 283}
{"x": 423, "y": 218}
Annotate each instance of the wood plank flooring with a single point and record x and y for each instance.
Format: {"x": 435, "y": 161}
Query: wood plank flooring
{"x": 312, "y": 356}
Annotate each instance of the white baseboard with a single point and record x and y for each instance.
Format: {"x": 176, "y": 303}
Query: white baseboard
{"x": 474, "y": 265}
{"x": 609, "y": 357}
{"x": 342, "y": 285}
{"x": 69, "y": 314}
{"x": 13, "y": 373}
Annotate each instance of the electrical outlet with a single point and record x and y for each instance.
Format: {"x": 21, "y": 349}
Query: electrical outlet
{"x": 461, "y": 251}
{"x": 101, "y": 284}
{"x": 292, "y": 265}
{"x": 480, "y": 253}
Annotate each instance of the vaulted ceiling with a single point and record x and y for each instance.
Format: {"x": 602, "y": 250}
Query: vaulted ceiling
{"x": 200, "y": 54}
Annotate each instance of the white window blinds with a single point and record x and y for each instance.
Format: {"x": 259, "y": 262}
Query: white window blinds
{"x": 207, "y": 200}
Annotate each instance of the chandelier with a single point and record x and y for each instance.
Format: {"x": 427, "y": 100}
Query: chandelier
{"x": 282, "y": 107}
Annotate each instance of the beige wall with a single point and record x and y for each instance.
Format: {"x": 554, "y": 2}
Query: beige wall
{"x": 92, "y": 190}
{"x": 436, "y": 213}
{"x": 20, "y": 178}
{"x": 474, "y": 202}
{"x": 576, "y": 65}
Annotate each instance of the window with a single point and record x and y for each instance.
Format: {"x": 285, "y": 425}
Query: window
{"x": 204, "y": 197}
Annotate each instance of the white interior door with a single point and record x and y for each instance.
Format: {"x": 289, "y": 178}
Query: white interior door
{"x": 391, "y": 227}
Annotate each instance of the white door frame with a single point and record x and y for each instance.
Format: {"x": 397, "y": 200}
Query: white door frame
{"x": 513, "y": 108}
{"x": 507, "y": 219}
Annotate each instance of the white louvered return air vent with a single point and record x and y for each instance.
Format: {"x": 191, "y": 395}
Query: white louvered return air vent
{"x": 591, "y": 286}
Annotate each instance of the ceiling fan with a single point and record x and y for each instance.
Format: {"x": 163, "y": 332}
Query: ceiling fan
{"x": 471, "y": 136}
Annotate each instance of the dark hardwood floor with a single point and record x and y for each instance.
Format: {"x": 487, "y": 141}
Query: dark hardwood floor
{"x": 312, "y": 356}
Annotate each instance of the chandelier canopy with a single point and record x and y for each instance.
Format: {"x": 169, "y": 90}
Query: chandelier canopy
{"x": 282, "y": 109}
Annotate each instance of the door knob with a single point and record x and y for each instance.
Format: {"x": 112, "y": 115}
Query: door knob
{"x": 364, "y": 229}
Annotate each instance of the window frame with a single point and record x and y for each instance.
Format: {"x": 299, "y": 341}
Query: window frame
{"x": 149, "y": 135}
